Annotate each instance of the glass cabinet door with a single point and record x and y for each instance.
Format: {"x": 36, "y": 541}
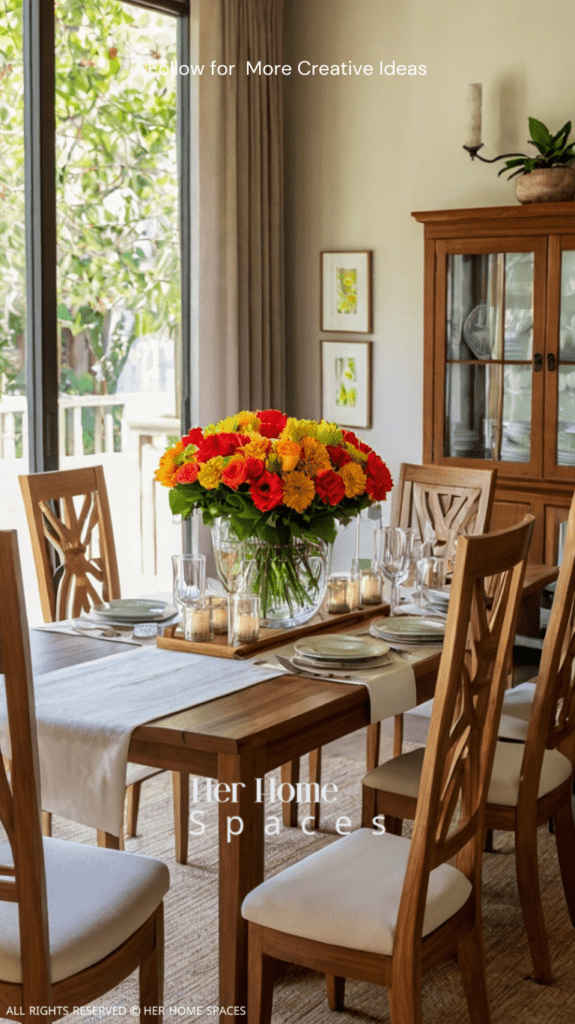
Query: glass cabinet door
{"x": 565, "y": 449}
{"x": 489, "y": 387}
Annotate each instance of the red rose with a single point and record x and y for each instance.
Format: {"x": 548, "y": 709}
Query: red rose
{"x": 272, "y": 422}
{"x": 194, "y": 436}
{"x": 338, "y": 455}
{"x": 254, "y": 469}
{"x": 219, "y": 444}
{"x": 361, "y": 446}
{"x": 187, "y": 473}
{"x": 267, "y": 492}
{"x": 330, "y": 487}
{"x": 234, "y": 474}
{"x": 379, "y": 480}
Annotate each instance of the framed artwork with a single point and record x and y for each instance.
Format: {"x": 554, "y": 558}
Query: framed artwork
{"x": 346, "y": 292}
{"x": 346, "y": 382}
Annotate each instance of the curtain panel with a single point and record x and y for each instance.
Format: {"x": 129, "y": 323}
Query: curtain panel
{"x": 253, "y": 133}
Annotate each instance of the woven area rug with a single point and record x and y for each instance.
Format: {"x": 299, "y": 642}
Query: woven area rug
{"x": 191, "y": 972}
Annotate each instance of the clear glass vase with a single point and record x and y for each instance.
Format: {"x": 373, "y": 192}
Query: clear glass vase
{"x": 291, "y": 580}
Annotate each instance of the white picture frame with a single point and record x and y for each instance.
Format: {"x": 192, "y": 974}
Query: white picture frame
{"x": 346, "y": 374}
{"x": 346, "y": 300}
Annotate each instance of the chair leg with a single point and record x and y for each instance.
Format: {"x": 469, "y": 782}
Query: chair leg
{"x": 181, "y": 797}
{"x": 110, "y": 842}
{"x": 133, "y": 807}
{"x": 530, "y": 898}
{"x": 397, "y": 735}
{"x": 290, "y": 774}
{"x": 393, "y": 825}
{"x": 260, "y": 978}
{"x": 565, "y": 835}
{"x": 152, "y": 973}
{"x": 405, "y": 1003}
{"x": 46, "y": 823}
{"x": 471, "y": 958}
{"x": 335, "y": 991}
{"x": 315, "y": 777}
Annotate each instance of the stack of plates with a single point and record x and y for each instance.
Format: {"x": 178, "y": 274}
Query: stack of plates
{"x": 438, "y": 599}
{"x": 516, "y": 442}
{"x": 127, "y": 612}
{"x": 409, "y": 631}
{"x": 340, "y": 651}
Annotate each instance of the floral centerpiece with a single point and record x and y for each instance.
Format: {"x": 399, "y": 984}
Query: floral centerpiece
{"x": 283, "y": 483}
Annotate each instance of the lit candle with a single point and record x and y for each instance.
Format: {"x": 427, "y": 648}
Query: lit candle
{"x": 370, "y": 587}
{"x": 473, "y": 115}
{"x": 219, "y": 606}
{"x": 200, "y": 623}
{"x": 353, "y": 592}
{"x": 337, "y": 596}
{"x": 248, "y": 629}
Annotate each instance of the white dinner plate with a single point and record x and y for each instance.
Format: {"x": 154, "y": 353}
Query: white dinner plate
{"x": 128, "y": 610}
{"x": 408, "y": 628}
{"x": 341, "y": 647}
{"x": 326, "y": 663}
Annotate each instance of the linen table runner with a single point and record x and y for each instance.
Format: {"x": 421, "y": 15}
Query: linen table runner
{"x": 86, "y": 715}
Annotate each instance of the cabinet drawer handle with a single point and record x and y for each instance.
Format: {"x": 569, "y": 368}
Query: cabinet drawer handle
{"x": 550, "y": 361}
{"x": 537, "y": 362}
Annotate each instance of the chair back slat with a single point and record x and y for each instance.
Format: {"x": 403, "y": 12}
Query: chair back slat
{"x": 453, "y": 501}
{"x": 58, "y": 525}
{"x": 469, "y": 693}
{"x": 24, "y": 831}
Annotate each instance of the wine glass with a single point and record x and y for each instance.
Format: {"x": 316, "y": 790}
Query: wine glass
{"x": 189, "y": 584}
{"x": 393, "y": 557}
{"x": 231, "y": 562}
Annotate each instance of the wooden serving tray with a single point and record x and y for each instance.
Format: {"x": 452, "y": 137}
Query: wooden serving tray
{"x": 173, "y": 638}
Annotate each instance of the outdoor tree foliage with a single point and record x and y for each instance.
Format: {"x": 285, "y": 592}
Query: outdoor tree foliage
{"x": 116, "y": 183}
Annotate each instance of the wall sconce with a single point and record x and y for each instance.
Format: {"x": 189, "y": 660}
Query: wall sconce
{"x": 473, "y": 141}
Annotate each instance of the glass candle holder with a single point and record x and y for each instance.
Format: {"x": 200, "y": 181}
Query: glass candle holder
{"x": 198, "y": 622}
{"x": 370, "y": 589}
{"x": 245, "y": 619}
{"x": 337, "y": 595}
{"x": 219, "y": 606}
{"x": 353, "y": 590}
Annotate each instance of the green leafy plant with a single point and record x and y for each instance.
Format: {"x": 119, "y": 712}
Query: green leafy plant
{"x": 553, "y": 150}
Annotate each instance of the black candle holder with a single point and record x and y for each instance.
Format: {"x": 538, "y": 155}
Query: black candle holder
{"x": 474, "y": 152}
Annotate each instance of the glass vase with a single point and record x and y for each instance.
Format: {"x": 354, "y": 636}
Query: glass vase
{"x": 291, "y": 580}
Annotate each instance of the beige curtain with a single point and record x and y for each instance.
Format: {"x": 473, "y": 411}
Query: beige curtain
{"x": 253, "y": 158}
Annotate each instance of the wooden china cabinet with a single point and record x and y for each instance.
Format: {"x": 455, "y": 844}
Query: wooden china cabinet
{"x": 500, "y": 356}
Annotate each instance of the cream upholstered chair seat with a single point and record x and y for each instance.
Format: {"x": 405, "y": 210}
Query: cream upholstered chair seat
{"x": 402, "y": 774}
{"x": 348, "y": 894}
{"x": 96, "y": 900}
{"x": 514, "y": 722}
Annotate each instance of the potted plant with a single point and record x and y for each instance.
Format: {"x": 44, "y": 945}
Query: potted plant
{"x": 546, "y": 177}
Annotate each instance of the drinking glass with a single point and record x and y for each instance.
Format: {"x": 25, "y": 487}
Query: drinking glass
{"x": 429, "y": 574}
{"x": 231, "y": 562}
{"x": 393, "y": 555}
{"x": 189, "y": 583}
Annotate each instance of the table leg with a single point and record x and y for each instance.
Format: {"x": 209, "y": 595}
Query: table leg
{"x": 241, "y": 867}
{"x": 290, "y": 774}
{"x": 181, "y": 801}
{"x": 372, "y": 745}
{"x": 315, "y": 777}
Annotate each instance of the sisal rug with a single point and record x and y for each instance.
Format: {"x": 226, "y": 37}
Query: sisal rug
{"x": 191, "y": 971}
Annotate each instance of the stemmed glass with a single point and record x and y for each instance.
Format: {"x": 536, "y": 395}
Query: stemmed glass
{"x": 231, "y": 561}
{"x": 189, "y": 584}
{"x": 393, "y": 558}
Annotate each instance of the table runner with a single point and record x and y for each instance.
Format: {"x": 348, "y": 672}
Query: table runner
{"x": 392, "y": 689}
{"x": 86, "y": 715}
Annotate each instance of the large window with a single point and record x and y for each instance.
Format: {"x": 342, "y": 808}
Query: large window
{"x": 108, "y": 292}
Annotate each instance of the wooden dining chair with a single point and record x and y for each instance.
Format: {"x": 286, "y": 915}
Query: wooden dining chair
{"x": 532, "y": 780}
{"x": 378, "y": 907}
{"x": 76, "y": 920}
{"x": 75, "y": 555}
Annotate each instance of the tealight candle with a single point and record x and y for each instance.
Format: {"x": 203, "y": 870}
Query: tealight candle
{"x": 198, "y": 623}
{"x": 245, "y": 619}
{"x": 337, "y": 595}
{"x": 370, "y": 587}
{"x": 219, "y": 606}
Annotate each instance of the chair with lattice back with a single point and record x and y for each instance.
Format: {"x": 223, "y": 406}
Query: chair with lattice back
{"x": 75, "y": 555}
{"x": 382, "y": 908}
{"x": 57, "y": 952}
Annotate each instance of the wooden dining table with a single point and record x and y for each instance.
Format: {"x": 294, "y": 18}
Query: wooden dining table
{"x": 237, "y": 739}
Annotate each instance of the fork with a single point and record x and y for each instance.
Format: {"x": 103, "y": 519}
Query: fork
{"x": 297, "y": 670}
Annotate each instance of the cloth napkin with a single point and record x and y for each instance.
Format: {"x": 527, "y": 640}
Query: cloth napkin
{"x": 391, "y": 687}
{"x": 67, "y": 626}
{"x": 86, "y": 715}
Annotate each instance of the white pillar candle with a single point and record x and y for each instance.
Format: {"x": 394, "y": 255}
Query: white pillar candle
{"x": 370, "y": 587}
{"x": 473, "y": 115}
{"x": 200, "y": 625}
{"x": 248, "y": 629}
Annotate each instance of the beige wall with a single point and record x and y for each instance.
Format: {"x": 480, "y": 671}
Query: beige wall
{"x": 362, "y": 153}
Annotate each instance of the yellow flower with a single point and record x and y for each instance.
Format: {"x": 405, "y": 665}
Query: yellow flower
{"x": 247, "y": 423}
{"x": 329, "y": 433}
{"x": 299, "y": 491}
{"x": 258, "y": 447}
{"x": 289, "y": 453}
{"x": 295, "y": 430}
{"x": 211, "y": 473}
{"x": 314, "y": 456}
{"x": 169, "y": 465}
{"x": 354, "y": 479}
{"x": 355, "y": 454}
